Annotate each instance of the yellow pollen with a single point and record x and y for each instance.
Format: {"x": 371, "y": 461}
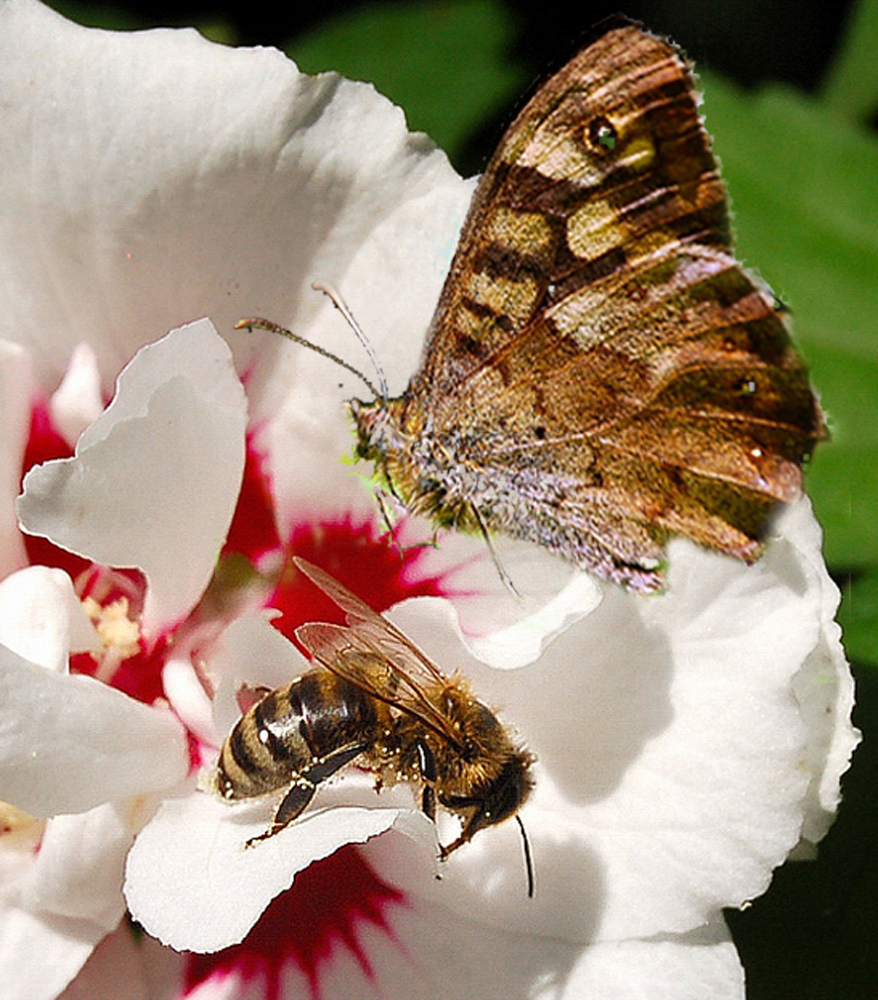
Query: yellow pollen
{"x": 116, "y": 630}
{"x": 12, "y": 820}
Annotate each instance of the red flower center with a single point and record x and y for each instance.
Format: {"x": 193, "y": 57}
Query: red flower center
{"x": 330, "y": 902}
{"x": 325, "y": 909}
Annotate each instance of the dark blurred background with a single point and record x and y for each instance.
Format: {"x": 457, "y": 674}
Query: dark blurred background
{"x": 748, "y": 40}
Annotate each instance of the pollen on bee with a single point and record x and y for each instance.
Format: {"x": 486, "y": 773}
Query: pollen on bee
{"x": 263, "y": 735}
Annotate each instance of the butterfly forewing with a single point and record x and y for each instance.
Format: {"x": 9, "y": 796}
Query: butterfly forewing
{"x": 610, "y": 150}
{"x": 601, "y": 373}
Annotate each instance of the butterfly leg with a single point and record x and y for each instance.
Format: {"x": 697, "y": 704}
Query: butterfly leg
{"x": 383, "y": 499}
{"x": 504, "y": 576}
{"x": 305, "y": 785}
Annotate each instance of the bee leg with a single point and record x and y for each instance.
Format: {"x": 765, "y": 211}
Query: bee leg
{"x": 475, "y": 823}
{"x": 305, "y": 785}
{"x": 426, "y": 760}
{"x": 291, "y": 806}
{"x": 428, "y": 802}
{"x": 427, "y": 767}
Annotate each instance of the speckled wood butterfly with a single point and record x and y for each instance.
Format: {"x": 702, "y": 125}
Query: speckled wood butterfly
{"x": 601, "y": 374}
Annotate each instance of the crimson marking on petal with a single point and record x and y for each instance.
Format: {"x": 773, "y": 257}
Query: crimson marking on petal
{"x": 44, "y": 443}
{"x": 325, "y": 908}
{"x": 139, "y": 676}
{"x": 253, "y": 530}
{"x": 358, "y": 555}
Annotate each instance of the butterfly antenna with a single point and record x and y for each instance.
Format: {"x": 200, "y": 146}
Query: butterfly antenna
{"x": 528, "y": 859}
{"x": 340, "y": 304}
{"x": 257, "y": 323}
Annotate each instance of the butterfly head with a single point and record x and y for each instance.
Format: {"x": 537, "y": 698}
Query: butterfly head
{"x": 377, "y": 429}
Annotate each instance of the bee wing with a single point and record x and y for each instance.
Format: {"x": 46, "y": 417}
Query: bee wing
{"x": 348, "y": 602}
{"x": 390, "y": 668}
{"x": 368, "y": 622}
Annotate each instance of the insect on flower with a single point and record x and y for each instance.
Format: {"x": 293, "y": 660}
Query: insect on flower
{"x": 378, "y": 701}
{"x": 601, "y": 374}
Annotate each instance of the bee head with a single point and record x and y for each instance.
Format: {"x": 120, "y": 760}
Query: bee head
{"x": 509, "y": 790}
{"x": 499, "y": 799}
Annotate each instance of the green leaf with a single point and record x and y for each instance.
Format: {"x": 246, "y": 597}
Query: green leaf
{"x": 851, "y": 85}
{"x": 442, "y": 62}
{"x": 805, "y": 200}
{"x": 858, "y": 617}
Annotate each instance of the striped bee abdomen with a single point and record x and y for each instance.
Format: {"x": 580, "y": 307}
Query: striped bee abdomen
{"x": 291, "y": 729}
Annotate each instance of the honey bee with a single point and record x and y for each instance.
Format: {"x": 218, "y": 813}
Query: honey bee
{"x": 377, "y": 700}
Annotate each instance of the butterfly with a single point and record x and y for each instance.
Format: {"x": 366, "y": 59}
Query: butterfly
{"x": 601, "y": 374}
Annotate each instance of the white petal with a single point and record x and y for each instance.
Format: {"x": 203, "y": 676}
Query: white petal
{"x": 824, "y": 687}
{"x": 251, "y": 651}
{"x": 78, "y": 872}
{"x": 155, "y": 479}
{"x": 39, "y": 957}
{"x": 500, "y": 627}
{"x": 522, "y": 643}
{"x": 391, "y": 287}
{"x": 77, "y": 402}
{"x": 54, "y": 726}
{"x": 186, "y": 695}
{"x": 133, "y": 203}
{"x": 63, "y": 901}
{"x": 429, "y": 952}
{"x": 691, "y": 966}
{"x": 41, "y": 618}
{"x": 114, "y": 971}
{"x": 670, "y": 779}
{"x": 194, "y": 885}
{"x": 16, "y": 389}
{"x": 710, "y": 783}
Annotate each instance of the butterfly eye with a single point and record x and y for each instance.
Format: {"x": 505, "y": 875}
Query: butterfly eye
{"x": 601, "y": 134}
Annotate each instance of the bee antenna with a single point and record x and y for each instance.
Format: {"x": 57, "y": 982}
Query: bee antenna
{"x": 340, "y": 304}
{"x": 528, "y": 859}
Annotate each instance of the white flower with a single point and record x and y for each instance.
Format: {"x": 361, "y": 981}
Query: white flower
{"x": 685, "y": 742}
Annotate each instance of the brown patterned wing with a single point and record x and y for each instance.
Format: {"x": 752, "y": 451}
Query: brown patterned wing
{"x": 599, "y": 362}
